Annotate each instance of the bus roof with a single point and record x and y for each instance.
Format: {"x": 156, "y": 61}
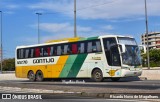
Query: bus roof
{"x": 65, "y": 40}
{"x": 105, "y": 36}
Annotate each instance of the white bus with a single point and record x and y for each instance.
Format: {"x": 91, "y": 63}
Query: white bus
{"x": 108, "y": 56}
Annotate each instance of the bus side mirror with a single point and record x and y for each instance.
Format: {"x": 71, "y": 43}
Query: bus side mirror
{"x": 122, "y": 48}
{"x": 142, "y": 49}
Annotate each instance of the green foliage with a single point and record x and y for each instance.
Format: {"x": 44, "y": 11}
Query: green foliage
{"x": 142, "y": 51}
{"x": 8, "y": 64}
{"x": 154, "y": 58}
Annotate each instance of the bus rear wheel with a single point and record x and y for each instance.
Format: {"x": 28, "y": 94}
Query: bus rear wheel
{"x": 39, "y": 76}
{"x": 31, "y": 76}
{"x": 97, "y": 75}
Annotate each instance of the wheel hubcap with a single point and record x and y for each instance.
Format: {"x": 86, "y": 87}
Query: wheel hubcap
{"x": 39, "y": 76}
{"x": 97, "y": 75}
{"x": 31, "y": 76}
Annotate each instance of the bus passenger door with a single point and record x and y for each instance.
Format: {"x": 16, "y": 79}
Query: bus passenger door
{"x": 112, "y": 57}
{"x": 115, "y": 61}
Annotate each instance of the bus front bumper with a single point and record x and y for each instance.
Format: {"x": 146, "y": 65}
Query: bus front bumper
{"x": 129, "y": 73}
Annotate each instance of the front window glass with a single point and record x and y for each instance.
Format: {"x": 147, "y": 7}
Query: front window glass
{"x": 127, "y": 41}
{"x": 132, "y": 55}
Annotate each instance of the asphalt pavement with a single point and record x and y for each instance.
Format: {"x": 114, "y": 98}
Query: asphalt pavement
{"x": 82, "y": 90}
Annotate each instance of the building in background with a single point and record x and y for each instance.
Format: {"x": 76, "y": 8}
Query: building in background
{"x": 153, "y": 40}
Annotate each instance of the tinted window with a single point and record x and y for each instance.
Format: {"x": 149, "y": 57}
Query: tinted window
{"x": 31, "y": 53}
{"x": 66, "y": 47}
{"x": 89, "y": 47}
{"x": 111, "y": 51}
{"x": 81, "y": 47}
{"x": 59, "y": 50}
{"x": 96, "y": 46}
{"x": 52, "y": 51}
{"x": 27, "y": 53}
{"x": 74, "y": 49}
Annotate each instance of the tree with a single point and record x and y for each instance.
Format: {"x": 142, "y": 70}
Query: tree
{"x": 154, "y": 58}
{"x": 9, "y": 64}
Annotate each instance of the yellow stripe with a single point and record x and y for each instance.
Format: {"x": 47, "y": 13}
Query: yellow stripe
{"x": 49, "y": 71}
{"x": 22, "y": 71}
{"x": 55, "y": 70}
{"x": 65, "y": 39}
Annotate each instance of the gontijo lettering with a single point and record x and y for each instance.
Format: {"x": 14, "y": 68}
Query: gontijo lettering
{"x": 50, "y": 60}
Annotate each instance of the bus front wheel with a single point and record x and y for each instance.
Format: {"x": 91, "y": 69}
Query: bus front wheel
{"x": 39, "y": 76}
{"x": 31, "y": 76}
{"x": 97, "y": 75}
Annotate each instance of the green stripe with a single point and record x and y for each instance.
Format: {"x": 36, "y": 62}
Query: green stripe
{"x": 67, "y": 66}
{"x": 92, "y": 38}
{"x": 77, "y": 65}
{"x": 82, "y": 39}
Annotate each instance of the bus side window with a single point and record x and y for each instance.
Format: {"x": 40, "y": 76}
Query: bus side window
{"x": 62, "y": 49}
{"x": 26, "y": 53}
{"x": 98, "y": 46}
{"x": 59, "y": 50}
{"x": 69, "y": 49}
{"x": 81, "y": 47}
{"x": 89, "y": 47}
{"x": 41, "y": 52}
{"x": 74, "y": 49}
{"x": 21, "y": 53}
{"x": 37, "y": 52}
{"x": 46, "y": 51}
{"x": 52, "y": 51}
{"x": 94, "y": 47}
{"x": 32, "y": 53}
{"x": 18, "y": 56}
{"x": 65, "y": 49}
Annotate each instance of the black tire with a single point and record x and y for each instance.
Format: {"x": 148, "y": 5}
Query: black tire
{"x": 39, "y": 76}
{"x": 97, "y": 75}
{"x": 115, "y": 79}
{"x": 31, "y": 76}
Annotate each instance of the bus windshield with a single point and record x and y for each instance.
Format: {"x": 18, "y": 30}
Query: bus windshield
{"x": 132, "y": 55}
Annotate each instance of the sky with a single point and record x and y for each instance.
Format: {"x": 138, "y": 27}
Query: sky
{"x": 94, "y": 18}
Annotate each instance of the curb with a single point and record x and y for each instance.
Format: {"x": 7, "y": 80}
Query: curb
{"x": 29, "y": 90}
{"x": 143, "y": 78}
{"x": 134, "y": 78}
